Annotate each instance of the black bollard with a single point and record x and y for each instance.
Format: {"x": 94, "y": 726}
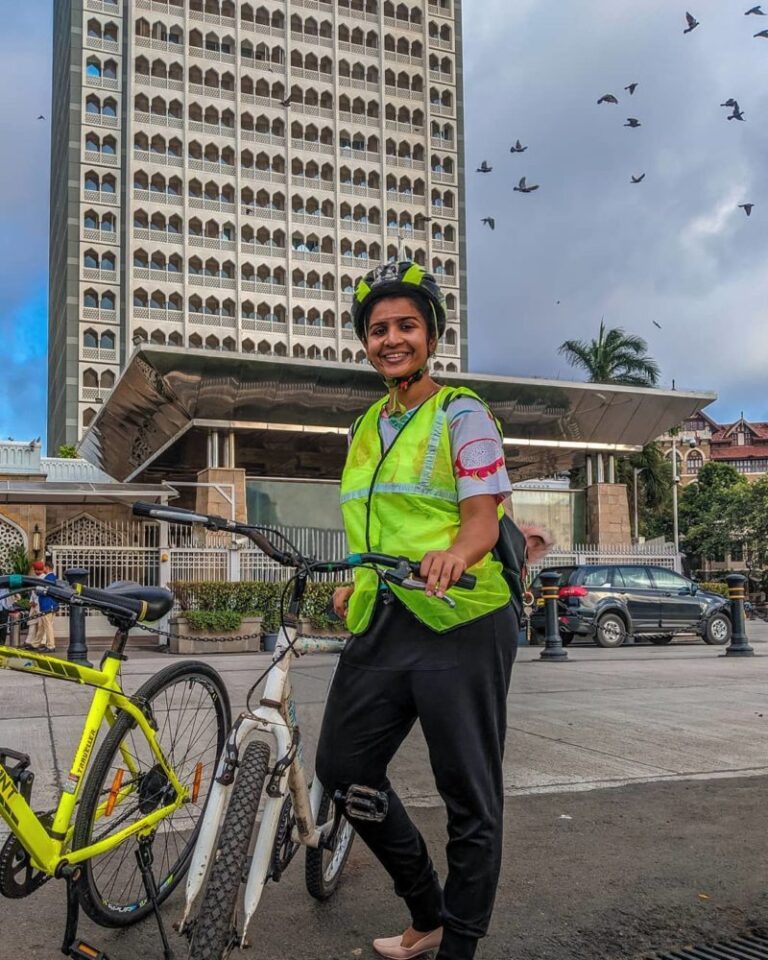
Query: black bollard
{"x": 739, "y": 645}
{"x": 78, "y": 650}
{"x": 553, "y": 643}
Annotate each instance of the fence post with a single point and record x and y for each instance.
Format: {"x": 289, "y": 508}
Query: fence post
{"x": 78, "y": 651}
{"x": 233, "y": 564}
{"x": 739, "y": 645}
{"x": 553, "y": 642}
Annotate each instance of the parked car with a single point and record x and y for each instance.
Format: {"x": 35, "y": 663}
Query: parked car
{"x": 610, "y": 602}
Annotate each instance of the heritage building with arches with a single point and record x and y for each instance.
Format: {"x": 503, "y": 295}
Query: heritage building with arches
{"x": 742, "y": 444}
{"x": 224, "y": 171}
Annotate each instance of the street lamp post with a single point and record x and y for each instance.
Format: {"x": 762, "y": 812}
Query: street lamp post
{"x": 636, "y": 471}
{"x": 675, "y": 481}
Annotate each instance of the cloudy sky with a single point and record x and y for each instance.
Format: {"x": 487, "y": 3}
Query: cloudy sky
{"x": 675, "y": 248}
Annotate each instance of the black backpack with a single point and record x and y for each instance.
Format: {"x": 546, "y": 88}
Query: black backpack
{"x": 510, "y": 551}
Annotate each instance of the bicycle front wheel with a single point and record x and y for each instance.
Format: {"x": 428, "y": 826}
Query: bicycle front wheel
{"x": 214, "y": 934}
{"x": 190, "y": 706}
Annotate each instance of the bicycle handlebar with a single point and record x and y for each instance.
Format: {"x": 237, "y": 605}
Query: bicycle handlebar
{"x": 141, "y": 603}
{"x": 402, "y": 567}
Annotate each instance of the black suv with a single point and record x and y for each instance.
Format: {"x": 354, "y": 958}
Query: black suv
{"x": 608, "y": 603}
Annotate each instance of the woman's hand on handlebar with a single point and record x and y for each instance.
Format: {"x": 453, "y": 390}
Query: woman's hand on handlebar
{"x": 441, "y": 569}
{"x": 341, "y": 597}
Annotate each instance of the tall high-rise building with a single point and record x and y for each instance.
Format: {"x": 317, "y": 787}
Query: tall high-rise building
{"x": 223, "y": 172}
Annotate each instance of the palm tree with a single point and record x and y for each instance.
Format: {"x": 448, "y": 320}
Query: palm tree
{"x": 615, "y": 357}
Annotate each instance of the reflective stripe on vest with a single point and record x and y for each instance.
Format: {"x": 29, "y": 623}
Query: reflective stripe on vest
{"x": 405, "y": 502}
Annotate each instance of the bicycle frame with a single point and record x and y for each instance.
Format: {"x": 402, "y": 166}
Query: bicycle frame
{"x": 48, "y": 847}
{"x": 276, "y": 717}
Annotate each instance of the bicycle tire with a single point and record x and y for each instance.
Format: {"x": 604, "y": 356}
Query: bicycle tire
{"x": 213, "y": 933}
{"x": 323, "y": 868}
{"x": 195, "y": 699}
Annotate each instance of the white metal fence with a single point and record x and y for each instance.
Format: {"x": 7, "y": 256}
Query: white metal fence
{"x": 656, "y": 555}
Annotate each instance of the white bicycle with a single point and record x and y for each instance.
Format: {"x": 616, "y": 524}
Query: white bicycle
{"x": 294, "y": 814}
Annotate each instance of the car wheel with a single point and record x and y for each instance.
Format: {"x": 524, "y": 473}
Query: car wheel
{"x": 660, "y": 639}
{"x": 611, "y": 631}
{"x": 717, "y": 630}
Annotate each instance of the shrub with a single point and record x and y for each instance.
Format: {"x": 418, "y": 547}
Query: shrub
{"x": 214, "y": 621}
{"x": 255, "y": 597}
{"x": 713, "y": 587}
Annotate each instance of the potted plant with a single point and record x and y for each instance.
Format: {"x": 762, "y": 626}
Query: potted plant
{"x": 215, "y": 618}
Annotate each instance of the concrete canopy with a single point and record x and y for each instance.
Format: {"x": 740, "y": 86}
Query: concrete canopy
{"x": 291, "y": 416}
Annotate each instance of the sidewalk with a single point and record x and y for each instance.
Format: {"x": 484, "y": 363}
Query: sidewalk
{"x": 636, "y": 781}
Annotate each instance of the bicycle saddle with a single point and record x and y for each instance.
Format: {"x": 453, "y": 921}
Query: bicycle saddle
{"x": 158, "y": 600}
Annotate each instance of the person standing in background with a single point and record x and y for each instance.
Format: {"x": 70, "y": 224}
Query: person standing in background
{"x": 43, "y": 636}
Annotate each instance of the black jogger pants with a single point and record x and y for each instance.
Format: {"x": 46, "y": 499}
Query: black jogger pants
{"x": 456, "y": 685}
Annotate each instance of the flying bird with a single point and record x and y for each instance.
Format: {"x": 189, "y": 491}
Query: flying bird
{"x": 607, "y": 98}
{"x": 730, "y": 102}
{"x": 638, "y": 179}
{"x": 692, "y": 22}
{"x": 755, "y": 10}
{"x": 632, "y": 122}
{"x": 41, "y": 117}
{"x": 518, "y": 148}
{"x": 286, "y": 102}
{"x": 737, "y": 114}
{"x": 656, "y": 324}
{"x": 484, "y": 168}
{"x": 747, "y": 208}
{"x": 490, "y": 221}
{"x": 523, "y": 187}
{"x": 631, "y": 88}
{"x": 763, "y": 34}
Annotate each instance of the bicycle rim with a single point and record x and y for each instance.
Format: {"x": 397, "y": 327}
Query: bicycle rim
{"x": 191, "y": 711}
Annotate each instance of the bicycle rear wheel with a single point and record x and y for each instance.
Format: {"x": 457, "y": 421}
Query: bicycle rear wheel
{"x": 214, "y": 934}
{"x": 191, "y": 708}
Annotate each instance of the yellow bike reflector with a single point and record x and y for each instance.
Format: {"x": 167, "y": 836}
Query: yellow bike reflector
{"x": 196, "y": 782}
{"x": 115, "y": 789}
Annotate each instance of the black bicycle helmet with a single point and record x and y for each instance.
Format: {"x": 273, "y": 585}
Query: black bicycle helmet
{"x": 403, "y": 279}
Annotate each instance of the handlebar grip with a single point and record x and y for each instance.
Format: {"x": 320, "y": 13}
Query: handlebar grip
{"x": 467, "y": 581}
{"x": 159, "y": 511}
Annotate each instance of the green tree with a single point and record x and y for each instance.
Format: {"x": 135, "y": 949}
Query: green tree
{"x": 615, "y": 357}
{"x": 68, "y": 451}
{"x": 757, "y": 524}
{"x": 715, "y": 513}
{"x": 654, "y": 489}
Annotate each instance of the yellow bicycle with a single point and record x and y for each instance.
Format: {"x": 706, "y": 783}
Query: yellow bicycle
{"x": 130, "y": 801}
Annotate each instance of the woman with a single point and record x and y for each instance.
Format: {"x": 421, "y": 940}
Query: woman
{"x": 424, "y": 478}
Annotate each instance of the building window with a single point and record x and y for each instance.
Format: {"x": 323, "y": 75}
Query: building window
{"x": 695, "y": 462}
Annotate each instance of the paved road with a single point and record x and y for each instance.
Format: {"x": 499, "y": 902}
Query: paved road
{"x": 657, "y": 756}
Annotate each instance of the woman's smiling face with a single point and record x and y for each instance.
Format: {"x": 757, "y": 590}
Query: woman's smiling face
{"x": 398, "y": 337}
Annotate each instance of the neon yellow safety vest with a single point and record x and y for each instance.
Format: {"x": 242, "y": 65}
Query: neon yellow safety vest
{"x": 404, "y": 502}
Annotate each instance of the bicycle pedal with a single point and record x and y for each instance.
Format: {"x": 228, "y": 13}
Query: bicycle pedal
{"x": 84, "y": 951}
{"x": 365, "y": 803}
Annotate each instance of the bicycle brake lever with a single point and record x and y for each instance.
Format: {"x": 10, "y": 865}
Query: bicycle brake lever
{"x": 409, "y": 583}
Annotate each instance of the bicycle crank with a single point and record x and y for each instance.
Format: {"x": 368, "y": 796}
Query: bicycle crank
{"x": 19, "y": 878}
{"x": 284, "y": 849}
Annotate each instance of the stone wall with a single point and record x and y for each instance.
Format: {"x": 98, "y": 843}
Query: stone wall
{"x": 608, "y": 514}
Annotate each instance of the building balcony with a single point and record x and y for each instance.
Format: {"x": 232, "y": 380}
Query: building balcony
{"x": 352, "y": 189}
{"x": 404, "y": 94}
{"x": 213, "y": 129}
{"x": 355, "y": 15}
{"x": 99, "y": 236}
{"x": 440, "y": 110}
{"x": 100, "y": 314}
{"x": 312, "y": 39}
{"x": 436, "y": 10}
{"x": 159, "y": 46}
{"x": 99, "y": 354}
{"x": 445, "y": 246}
{"x": 211, "y": 243}
{"x": 95, "y": 394}
{"x": 439, "y": 44}
{"x": 113, "y": 7}
{"x": 263, "y": 176}
{"x": 257, "y": 101}
{"x": 313, "y": 330}
{"x": 351, "y": 153}
{"x": 442, "y": 143}
{"x": 99, "y": 196}
{"x": 97, "y": 43}
{"x": 407, "y": 235}
{"x": 100, "y": 120}
{"x": 316, "y": 220}
{"x": 354, "y": 83}
{"x": 268, "y": 289}
{"x": 313, "y": 183}
{"x": 358, "y": 119}
{"x": 263, "y": 29}
{"x": 164, "y": 159}
{"x": 265, "y": 326}
{"x": 449, "y": 178}
{"x": 159, "y": 120}
{"x": 276, "y": 68}
{"x": 415, "y": 131}
{"x": 390, "y": 56}
{"x": 157, "y": 236}
{"x": 310, "y": 110}
{"x": 158, "y": 83}
{"x": 217, "y": 283}
{"x": 447, "y": 213}
{"x": 347, "y": 333}
{"x": 449, "y": 349}
{"x": 212, "y": 320}
{"x": 156, "y": 196}
{"x": 441, "y": 77}
{"x": 357, "y": 226}
{"x": 315, "y": 75}
{"x": 219, "y": 168}
{"x": 359, "y": 49}
{"x": 100, "y": 83}
{"x": 213, "y": 93}
{"x": 312, "y": 256}
{"x": 264, "y": 251}
{"x": 217, "y": 206}
{"x": 411, "y": 199}
{"x": 407, "y": 163}
{"x": 399, "y": 24}
{"x": 95, "y": 158}
{"x": 158, "y": 315}
{"x": 210, "y": 56}
{"x": 350, "y": 262}
{"x": 263, "y": 213}
{"x": 256, "y": 136}
{"x": 447, "y": 280}
{"x": 313, "y": 293}
{"x": 100, "y": 276}
{"x": 157, "y": 276}
{"x": 313, "y": 146}
{"x": 214, "y": 18}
